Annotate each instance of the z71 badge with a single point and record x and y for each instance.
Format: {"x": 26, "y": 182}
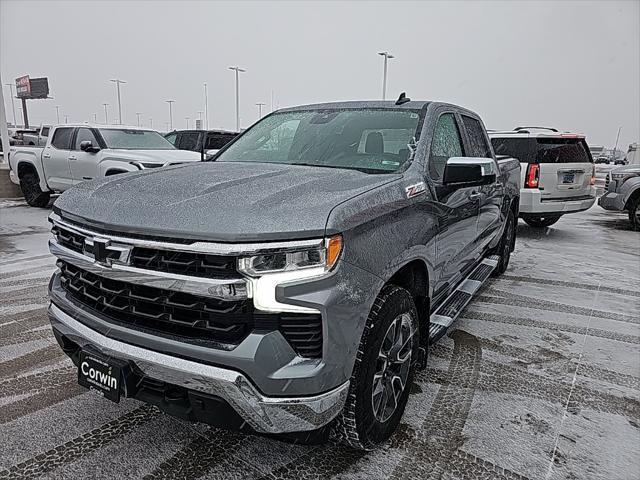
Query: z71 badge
{"x": 415, "y": 190}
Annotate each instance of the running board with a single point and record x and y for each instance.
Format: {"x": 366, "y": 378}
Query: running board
{"x": 447, "y": 313}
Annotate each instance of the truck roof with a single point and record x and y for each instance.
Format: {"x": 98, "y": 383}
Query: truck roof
{"x": 359, "y": 104}
{"x": 98, "y": 125}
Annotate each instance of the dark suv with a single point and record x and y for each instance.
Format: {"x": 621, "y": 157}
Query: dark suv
{"x": 195, "y": 140}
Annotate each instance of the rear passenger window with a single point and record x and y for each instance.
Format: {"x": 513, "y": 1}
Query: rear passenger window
{"x": 188, "y": 141}
{"x": 519, "y": 148}
{"x": 44, "y": 132}
{"x": 477, "y": 140}
{"x": 62, "y": 138}
{"x": 446, "y": 143}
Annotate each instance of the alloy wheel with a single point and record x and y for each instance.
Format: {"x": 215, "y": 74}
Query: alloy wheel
{"x": 392, "y": 367}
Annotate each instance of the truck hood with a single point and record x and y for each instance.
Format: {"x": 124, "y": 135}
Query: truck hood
{"x": 224, "y": 202}
{"x": 153, "y": 156}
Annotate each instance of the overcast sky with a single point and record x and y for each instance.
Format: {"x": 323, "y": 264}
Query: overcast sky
{"x": 571, "y": 65}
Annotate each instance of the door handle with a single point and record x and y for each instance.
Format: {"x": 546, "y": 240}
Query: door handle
{"x": 46, "y": 155}
{"x": 73, "y": 158}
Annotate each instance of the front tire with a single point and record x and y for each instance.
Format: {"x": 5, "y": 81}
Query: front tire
{"x": 32, "y": 192}
{"x": 540, "y": 221}
{"x": 634, "y": 213}
{"x": 383, "y": 371}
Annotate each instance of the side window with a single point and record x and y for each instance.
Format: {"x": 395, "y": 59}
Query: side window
{"x": 477, "y": 140}
{"x": 189, "y": 141}
{"x": 62, "y": 138}
{"x": 83, "y": 135}
{"x": 172, "y": 137}
{"x": 44, "y": 132}
{"x": 446, "y": 143}
{"x": 217, "y": 141}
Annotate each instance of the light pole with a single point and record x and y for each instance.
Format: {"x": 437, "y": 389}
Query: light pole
{"x": 206, "y": 107}
{"x": 260, "y": 105}
{"x": 13, "y": 105}
{"x": 386, "y": 56}
{"x": 106, "y": 117}
{"x": 58, "y": 114}
{"x": 138, "y": 115}
{"x": 615, "y": 147}
{"x": 66, "y": 119}
{"x": 118, "y": 82}
{"x": 237, "y": 70}
{"x": 170, "y": 102}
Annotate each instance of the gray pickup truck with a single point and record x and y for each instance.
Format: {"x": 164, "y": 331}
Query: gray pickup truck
{"x": 293, "y": 284}
{"x": 623, "y": 193}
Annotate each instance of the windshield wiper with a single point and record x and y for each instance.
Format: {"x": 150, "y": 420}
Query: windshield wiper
{"x": 363, "y": 170}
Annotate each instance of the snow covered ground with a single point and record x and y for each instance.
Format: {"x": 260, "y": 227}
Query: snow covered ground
{"x": 540, "y": 379}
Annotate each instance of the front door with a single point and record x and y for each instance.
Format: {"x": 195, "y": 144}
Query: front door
{"x": 84, "y": 165}
{"x": 457, "y": 207}
{"x": 55, "y": 159}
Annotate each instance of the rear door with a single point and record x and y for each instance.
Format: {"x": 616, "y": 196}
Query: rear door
{"x": 566, "y": 167}
{"x": 55, "y": 159}
{"x": 457, "y": 207}
{"x": 84, "y": 165}
{"x": 490, "y": 197}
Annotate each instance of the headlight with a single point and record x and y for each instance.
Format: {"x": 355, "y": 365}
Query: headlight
{"x": 325, "y": 255}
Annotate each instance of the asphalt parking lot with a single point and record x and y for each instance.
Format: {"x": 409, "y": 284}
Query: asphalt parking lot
{"x": 540, "y": 379}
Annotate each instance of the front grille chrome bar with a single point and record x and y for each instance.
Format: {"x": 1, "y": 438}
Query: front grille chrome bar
{"x": 213, "y": 248}
{"x": 223, "y": 289}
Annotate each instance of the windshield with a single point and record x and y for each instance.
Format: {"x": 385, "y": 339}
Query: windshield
{"x": 372, "y": 141}
{"x": 134, "y": 139}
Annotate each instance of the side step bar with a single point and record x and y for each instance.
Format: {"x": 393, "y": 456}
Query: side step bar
{"x": 451, "y": 308}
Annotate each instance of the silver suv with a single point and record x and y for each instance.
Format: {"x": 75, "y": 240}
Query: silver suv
{"x": 558, "y": 174}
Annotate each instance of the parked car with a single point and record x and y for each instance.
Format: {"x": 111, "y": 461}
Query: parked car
{"x": 558, "y": 174}
{"x": 294, "y": 283}
{"x": 38, "y": 137}
{"x": 16, "y": 135}
{"x": 623, "y": 193}
{"x": 633, "y": 155}
{"x": 193, "y": 140}
{"x": 77, "y": 153}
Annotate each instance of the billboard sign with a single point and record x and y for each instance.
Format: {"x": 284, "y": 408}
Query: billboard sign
{"x": 23, "y": 87}
{"x": 30, "y": 88}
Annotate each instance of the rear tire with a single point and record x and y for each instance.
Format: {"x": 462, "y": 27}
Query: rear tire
{"x": 506, "y": 245}
{"x": 634, "y": 213}
{"x": 383, "y": 371}
{"x": 540, "y": 221}
{"x": 32, "y": 192}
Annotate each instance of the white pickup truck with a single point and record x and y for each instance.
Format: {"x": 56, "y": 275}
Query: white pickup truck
{"x": 77, "y": 153}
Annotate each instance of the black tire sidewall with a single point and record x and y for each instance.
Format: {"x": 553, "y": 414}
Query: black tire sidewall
{"x": 30, "y": 187}
{"x": 504, "y": 262}
{"x": 396, "y": 301}
{"x": 633, "y": 214}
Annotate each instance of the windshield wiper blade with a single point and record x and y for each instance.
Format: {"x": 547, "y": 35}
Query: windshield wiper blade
{"x": 363, "y": 170}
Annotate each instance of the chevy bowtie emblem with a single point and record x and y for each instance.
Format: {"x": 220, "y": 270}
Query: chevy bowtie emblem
{"x": 100, "y": 250}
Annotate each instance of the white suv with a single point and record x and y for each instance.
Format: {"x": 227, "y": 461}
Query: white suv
{"x": 558, "y": 174}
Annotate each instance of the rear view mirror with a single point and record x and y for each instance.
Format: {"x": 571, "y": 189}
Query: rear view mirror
{"x": 87, "y": 146}
{"x": 469, "y": 171}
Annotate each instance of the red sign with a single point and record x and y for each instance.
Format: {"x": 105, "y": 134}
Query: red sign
{"x": 23, "y": 86}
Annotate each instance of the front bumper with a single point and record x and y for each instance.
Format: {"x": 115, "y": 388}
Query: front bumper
{"x": 612, "y": 201}
{"x": 13, "y": 177}
{"x": 264, "y": 414}
{"x": 533, "y": 202}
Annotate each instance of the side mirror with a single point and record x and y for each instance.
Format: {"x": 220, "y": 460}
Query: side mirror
{"x": 87, "y": 146}
{"x": 469, "y": 171}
